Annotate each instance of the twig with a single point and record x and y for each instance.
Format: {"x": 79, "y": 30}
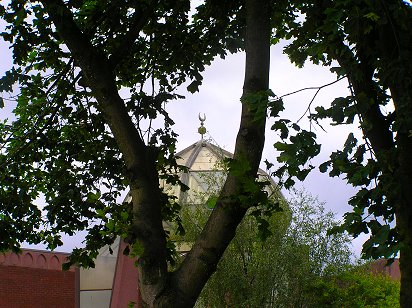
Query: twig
{"x": 314, "y": 96}
{"x": 312, "y": 88}
{"x": 310, "y": 104}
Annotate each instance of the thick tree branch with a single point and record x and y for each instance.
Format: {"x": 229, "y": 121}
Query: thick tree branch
{"x": 379, "y": 133}
{"x": 360, "y": 75}
{"x": 139, "y": 159}
{"x": 220, "y": 229}
{"x": 100, "y": 79}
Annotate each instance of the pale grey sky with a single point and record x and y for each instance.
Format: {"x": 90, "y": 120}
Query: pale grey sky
{"x": 219, "y": 100}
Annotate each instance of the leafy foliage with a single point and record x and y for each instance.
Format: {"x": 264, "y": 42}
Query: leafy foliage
{"x": 298, "y": 250}
{"x": 295, "y": 262}
{"x": 59, "y": 148}
{"x": 355, "y": 35}
{"x": 357, "y": 287}
{"x": 94, "y": 78}
{"x": 71, "y": 59}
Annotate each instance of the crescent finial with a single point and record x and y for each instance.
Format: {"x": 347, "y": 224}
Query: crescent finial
{"x": 202, "y": 129}
{"x": 202, "y": 118}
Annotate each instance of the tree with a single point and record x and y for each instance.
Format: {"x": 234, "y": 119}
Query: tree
{"x": 370, "y": 42}
{"x": 278, "y": 271}
{"x": 75, "y": 131}
{"x": 241, "y": 276}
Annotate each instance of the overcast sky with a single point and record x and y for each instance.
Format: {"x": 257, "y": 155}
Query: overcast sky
{"x": 219, "y": 100}
{"x": 219, "y": 97}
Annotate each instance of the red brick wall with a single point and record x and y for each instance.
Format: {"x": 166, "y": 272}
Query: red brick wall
{"x": 23, "y": 287}
{"x": 34, "y": 279}
{"x": 392, "y": 270}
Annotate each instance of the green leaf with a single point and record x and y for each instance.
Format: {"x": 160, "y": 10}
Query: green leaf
{"x": 324, "y": 167}
{"x": 281, "y": 146}
{"x": 66, "y": 266}
{"x": 268, "y": 164}
{"x": 194, "y": 86}
{"x": 275, "y": 107}
{"x": 296, "y": 127}
{"x": 137, "y": 250}
{"x": 281, "y": 125}
{"x": 124, "y": 216}
{"x": 211, "y": 202}
{"x": 372, "y": 16}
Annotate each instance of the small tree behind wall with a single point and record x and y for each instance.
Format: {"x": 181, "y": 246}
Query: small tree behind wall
{"x": 277, "y": 271}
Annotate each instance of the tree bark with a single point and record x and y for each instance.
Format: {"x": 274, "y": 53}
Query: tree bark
{"x": 140, "y": 159}
{"x": 401, "y": 90}
{"x": 402, "y": 98}
{"x": 188, "y": 281}
{"x": 395, "y": 47}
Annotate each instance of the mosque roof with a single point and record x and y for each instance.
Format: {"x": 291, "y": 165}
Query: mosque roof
{"x": 205, "y": 156}
{"x": 202, "y": 158}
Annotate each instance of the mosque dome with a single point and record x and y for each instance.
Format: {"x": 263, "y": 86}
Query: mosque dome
{"x": 206, "y": 170}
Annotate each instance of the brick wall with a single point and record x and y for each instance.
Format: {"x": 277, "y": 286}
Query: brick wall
{"x": 393, "y": 270}
{"x": 34, "y": 279}
{"x": 22, "y": 287}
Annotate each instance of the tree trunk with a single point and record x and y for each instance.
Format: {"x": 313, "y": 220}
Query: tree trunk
{"x": 404, "y": 218}
{"x": 140, "y": 160}
{"x": 402, "y": 97}
{"x": 392, "y": 42}
{"x": 395, "y": 45}
{"x": 187, "y": 282}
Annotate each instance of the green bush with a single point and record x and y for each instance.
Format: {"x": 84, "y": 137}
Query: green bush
{"x": 358, "y": 287}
